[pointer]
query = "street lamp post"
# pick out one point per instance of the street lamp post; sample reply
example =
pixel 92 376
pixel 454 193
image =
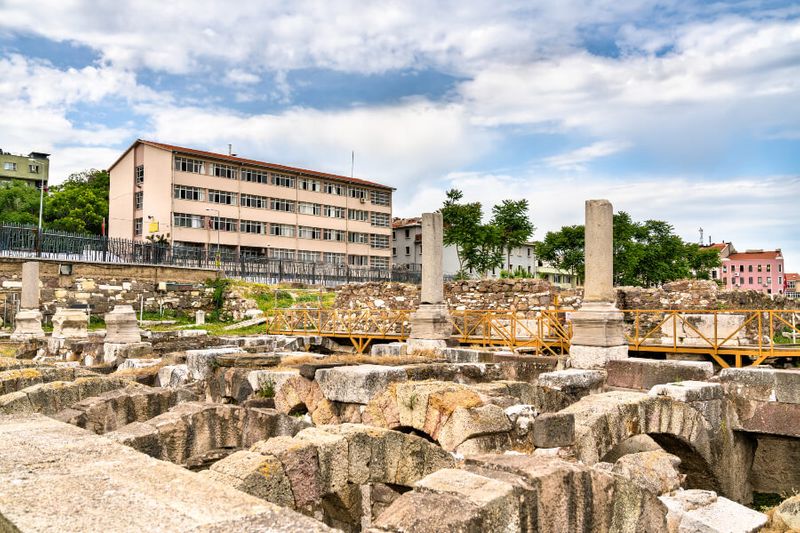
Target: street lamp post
pixel 218 222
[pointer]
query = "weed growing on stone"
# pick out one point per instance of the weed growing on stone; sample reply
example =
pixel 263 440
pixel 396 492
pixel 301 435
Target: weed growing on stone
pixel 267 389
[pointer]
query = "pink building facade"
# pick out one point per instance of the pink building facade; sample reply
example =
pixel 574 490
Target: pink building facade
pixel 754 270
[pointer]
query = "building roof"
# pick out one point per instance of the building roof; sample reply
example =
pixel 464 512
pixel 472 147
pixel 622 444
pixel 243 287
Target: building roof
pixel 405 222
pixel 792 276
pixel 756 254
pixel 253 162
pixel 716 246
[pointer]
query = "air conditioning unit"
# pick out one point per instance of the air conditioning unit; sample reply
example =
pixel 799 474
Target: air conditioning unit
pixel 362 200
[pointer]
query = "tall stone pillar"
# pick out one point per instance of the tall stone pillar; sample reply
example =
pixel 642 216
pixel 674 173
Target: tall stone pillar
pixel 597 332
pixel 430 324
pixel 28 321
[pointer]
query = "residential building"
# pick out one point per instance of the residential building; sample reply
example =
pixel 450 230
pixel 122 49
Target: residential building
pixel 407 253
pixel 248 208
pixel 33 168
pixel 792 290
pixel 725 249
pixel 756 270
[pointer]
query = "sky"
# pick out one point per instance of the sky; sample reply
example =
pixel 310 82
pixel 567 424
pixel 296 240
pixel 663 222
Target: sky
pixel 673 110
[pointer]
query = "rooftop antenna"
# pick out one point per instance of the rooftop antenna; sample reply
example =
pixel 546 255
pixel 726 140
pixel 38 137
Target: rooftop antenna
pixel 352 163
pixel 701 236
pixel 230 149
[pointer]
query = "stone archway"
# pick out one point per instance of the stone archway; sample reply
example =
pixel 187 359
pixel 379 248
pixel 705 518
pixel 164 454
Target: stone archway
pixel 713 456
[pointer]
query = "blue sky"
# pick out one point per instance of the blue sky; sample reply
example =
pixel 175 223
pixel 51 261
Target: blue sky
pixel 674 110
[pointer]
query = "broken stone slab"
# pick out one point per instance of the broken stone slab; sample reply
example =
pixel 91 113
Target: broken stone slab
pixel 257 379
pixel 139 363
pixel 50 470
pixel 467 355
pixel 309 370
pixel 246 323
pixel 394 349
pixel 689 391
pixel 787 514
pixel 248 360
pixel 644 374
pixel 656 471
pixel 28 325
pixel 121 325
pixel 466 423
pixel 17 379
pixel 201 363
pixel 52 397
pixel 572 380
pixel 70 324
pixel 357 384
pixel 172 376
pixel 762 384
pixel 554 430
pixel 116 354
pixel 705 512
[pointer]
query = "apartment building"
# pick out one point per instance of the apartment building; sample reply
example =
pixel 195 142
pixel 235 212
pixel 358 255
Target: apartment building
pixel 756 270
pixel 725 249
pixel 32 169
pixel 205 201
pixel 792 280
pixel 407 252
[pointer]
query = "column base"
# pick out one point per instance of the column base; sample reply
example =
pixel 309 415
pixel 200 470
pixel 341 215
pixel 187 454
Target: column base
pixel 28 325
pixel 595 357
pixel 431 322
pixel 598 324
pixel 425 346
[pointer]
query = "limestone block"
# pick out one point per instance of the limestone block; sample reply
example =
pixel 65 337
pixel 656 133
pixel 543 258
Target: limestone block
pixel 656 471
pixel 554 430
pixel 573 380
pixel 201 362
pixel 29 299
pixel 257 378
pixel 138 363
pixel 70 324
pixel 299 461
pixel 390 349
pixel 466 423
pixel 425 347
pixel 762 384
pixel 643 374
pixel 256 474
pixel 28 325
pixel 689 391
pixel 495 501
pixel 695 328
pixel 357 384
pixel 788 512
pixel 595 356
pixel 332 457
pixel 121 325
pixel 431 321
pixel 467 355
pixel 703 511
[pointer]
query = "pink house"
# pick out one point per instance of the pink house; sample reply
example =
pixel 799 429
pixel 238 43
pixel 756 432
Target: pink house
pixel 755 270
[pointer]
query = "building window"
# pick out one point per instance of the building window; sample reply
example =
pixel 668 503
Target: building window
pixel 306 184
pixel 184 192
pixel 759 267
pixel 759 280
pixel 253 201
pixel 333 235
pixel 138 200
pixel 749 268
pixel 333 188
pixel 222 197
pixel 741 268
pixel 358 238
pixel 380 220
pixel 282 181
pixel 769 280
pixel 408 250
pixel 252 226
pixel 307 232
pixel 357 214
pixel 137 226
pixel 251 252
pixel 750 280
pixel 394 251
pixel 355 192
pixel 254 176
pixel 380 197
pixel 225 171
pixel 379 241
pixel 769 267
pixel 378 262
pixel 725 281
pixel 281 230
pixel 358 260
pixel 724 269
pixel 713 274
pixel 333 258
pixel 408 233
pixel 223 224
pixel 333 211
pixel 138 175
pixel 281 253
pixel 9 166
pixel 780 267
pixel 184 164
pixel 780 280
pixel 308 256
pixel 281 205
pixel 34 169
pixel 183 220
pixel 305 208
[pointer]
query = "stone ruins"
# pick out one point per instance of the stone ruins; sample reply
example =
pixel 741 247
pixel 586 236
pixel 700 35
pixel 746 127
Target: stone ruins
pixel 133 429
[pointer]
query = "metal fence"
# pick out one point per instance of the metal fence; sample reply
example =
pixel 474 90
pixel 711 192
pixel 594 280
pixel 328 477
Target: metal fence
pixel 26 241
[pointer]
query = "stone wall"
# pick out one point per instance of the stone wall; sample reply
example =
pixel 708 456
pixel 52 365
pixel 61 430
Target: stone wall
pixel 102 286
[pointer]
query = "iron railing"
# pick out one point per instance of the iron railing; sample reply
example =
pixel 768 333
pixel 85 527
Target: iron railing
pixel 27 241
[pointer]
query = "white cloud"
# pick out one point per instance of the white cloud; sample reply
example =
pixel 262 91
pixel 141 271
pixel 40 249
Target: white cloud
pixel 237 76
pixel 578 158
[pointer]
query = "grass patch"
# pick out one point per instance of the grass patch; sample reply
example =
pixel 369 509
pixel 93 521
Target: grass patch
pixel 763 501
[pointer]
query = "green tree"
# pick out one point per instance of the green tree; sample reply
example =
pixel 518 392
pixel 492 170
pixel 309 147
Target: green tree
pixel 512 220
pixel 19 203
pixel 563 249
pixel 79 204
pixel 645 253
pixel 479 246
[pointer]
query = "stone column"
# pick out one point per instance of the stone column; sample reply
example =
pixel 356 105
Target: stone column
pixel 28 321
pixel 123 338
pixel 598 334
pixel 430 324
